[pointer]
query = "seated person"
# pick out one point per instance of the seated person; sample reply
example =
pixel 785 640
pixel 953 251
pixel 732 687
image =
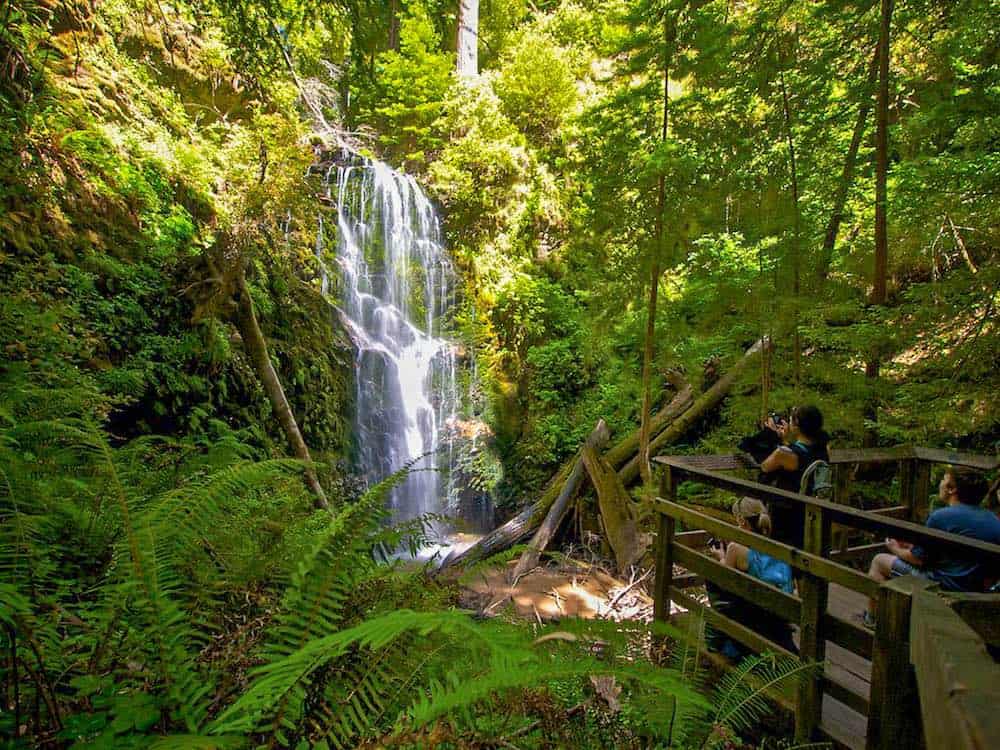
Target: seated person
pixel 962 492
pixel 753 516
pixel 804 441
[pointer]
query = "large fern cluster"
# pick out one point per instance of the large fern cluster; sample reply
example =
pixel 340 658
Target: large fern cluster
pixel 121 567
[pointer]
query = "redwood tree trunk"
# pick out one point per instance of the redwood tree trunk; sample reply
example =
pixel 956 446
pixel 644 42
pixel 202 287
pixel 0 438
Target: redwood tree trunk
pixel 847 176
pixel 654 281
pixel 881 271
pixel 256 346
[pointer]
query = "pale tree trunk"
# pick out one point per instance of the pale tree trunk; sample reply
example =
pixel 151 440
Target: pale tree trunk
pixel 467 39
pixel 654 282
pixel 881 270
pixel 847 176
pixel 256 346
pixel 796 236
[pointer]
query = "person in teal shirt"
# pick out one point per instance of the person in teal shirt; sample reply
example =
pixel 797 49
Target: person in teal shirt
pixel 751 515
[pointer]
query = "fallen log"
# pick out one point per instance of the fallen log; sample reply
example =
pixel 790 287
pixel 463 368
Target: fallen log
pixel 677 417
pixel 596 441
pixel 617 514
pixel 709 399
pixel 516 529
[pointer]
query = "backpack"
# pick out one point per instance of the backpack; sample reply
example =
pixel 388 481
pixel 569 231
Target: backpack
pixel 817 480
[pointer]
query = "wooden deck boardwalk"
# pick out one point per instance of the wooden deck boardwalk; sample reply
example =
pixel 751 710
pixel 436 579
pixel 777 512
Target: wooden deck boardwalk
pixel 843 724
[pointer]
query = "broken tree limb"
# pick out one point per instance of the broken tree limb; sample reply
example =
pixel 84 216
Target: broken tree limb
pixel 710 398
pixel 596 441
pixel 516 529
pixel 256 346
pixel 620 526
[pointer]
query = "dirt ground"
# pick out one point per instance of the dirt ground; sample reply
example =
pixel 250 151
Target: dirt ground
pixel 567 589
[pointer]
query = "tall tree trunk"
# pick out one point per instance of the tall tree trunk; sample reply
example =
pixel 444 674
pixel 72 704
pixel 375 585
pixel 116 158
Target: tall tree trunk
pixel 467 39
pixel 796 237
pixel 256 345
pixel 881 270
pixel 654 280
pixel 394 25
pixel 882 160
pixel 847 176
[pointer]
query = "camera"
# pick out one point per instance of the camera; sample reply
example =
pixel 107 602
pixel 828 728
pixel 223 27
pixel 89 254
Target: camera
pixel 777 416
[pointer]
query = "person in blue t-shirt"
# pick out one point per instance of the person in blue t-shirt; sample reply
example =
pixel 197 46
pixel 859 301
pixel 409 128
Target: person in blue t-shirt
pixel 751 515
pixel 962 492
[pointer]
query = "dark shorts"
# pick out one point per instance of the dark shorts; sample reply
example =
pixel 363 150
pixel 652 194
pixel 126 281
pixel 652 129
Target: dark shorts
pixel 903 568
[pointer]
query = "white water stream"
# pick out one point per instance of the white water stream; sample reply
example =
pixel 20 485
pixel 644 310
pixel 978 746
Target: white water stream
pixel 397 287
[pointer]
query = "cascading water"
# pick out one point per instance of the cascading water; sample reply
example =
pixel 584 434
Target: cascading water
pixel 397 288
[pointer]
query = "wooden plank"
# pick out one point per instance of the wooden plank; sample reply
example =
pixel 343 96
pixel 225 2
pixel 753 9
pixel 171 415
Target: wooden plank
pixel 859 552
pixel 798 559
pixel 845 695
pixel 871 455
pixel 765 596
pixel 959 681
pixel 920 506
pixel 956 458
pixel 907 480
pixel 735 630
pixel 812 637
pixel 664 551
pixel 688 581
pixel 893 702
pixel 696 539
pixel 864 520
pixel 852 637
pixel 842 726
pixel 893 511
pixel 842 475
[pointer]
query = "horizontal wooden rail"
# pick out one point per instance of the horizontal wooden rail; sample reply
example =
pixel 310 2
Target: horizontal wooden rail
pixel 804 561
pixel 859 519
pixel 763 595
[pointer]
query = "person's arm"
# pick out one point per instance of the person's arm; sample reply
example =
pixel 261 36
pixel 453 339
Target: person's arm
pixel 782 458
pixel 905 552
pixel 736 557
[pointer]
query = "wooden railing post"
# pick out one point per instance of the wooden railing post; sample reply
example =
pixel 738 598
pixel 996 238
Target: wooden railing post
pixel 665 550
pixel 841 496
pixel 915 487
pixel 920 505
pixel 813 591
pixel 894 713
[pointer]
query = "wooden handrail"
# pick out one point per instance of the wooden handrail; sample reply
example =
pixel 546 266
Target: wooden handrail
pixel 859 519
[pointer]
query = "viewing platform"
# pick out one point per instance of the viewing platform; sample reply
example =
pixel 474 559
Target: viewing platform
pixel 926 677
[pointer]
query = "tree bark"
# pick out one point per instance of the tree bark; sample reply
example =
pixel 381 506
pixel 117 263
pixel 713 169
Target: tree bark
pixel 706 401
pixel 467 39
pixel 882 159
pixel 256 347
pixel 847 176
pixel 881 270
pixel 796 236
pixel 617 515
pixel 597 440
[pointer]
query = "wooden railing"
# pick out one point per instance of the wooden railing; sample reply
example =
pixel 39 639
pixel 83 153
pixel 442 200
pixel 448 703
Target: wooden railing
pixel 890 706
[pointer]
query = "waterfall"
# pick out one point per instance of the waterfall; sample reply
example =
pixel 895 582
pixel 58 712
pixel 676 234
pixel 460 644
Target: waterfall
pixel 396 287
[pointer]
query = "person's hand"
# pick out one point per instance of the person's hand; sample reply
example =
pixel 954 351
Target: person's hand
pixel 779 426
pixel 720 552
